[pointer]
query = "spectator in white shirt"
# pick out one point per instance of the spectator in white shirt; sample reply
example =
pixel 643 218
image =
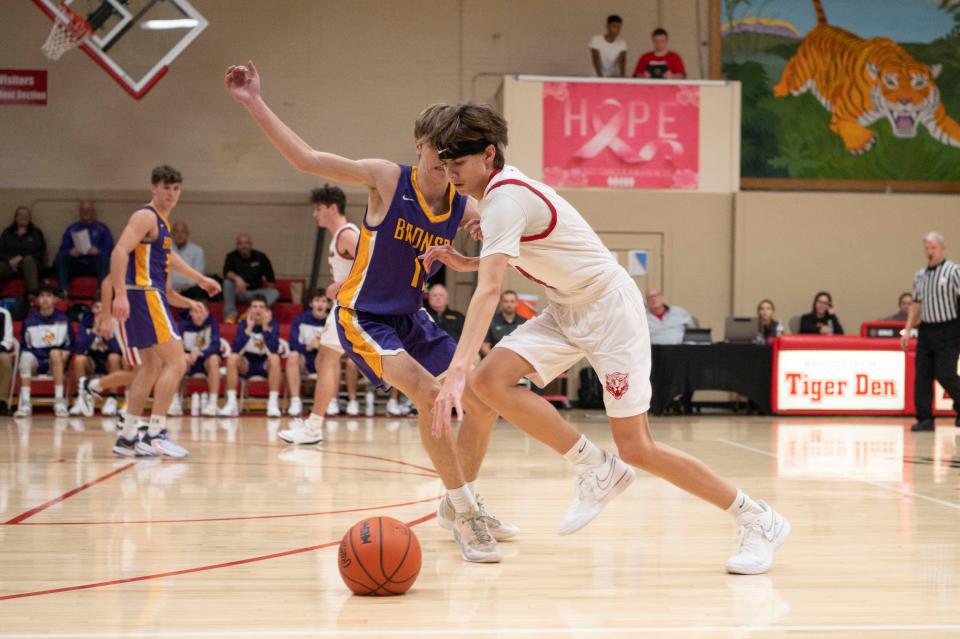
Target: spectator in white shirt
pixel 608 51
pixel 667 323
pixel 192 254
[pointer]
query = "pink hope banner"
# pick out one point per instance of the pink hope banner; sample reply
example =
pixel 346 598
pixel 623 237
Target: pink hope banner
pixel 639 136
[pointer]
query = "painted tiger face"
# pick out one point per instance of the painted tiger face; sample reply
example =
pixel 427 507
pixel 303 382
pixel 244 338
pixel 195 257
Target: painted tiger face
pixel 905 93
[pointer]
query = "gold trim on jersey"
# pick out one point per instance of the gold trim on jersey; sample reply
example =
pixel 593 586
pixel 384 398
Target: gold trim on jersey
pixel 361 344
pixel 159 317
pixel 423 202
pixel 358 272
pixel 141 270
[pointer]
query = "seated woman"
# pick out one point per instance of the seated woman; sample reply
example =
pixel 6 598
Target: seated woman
pixel 767 327
pixel 22 251
pixel 822 320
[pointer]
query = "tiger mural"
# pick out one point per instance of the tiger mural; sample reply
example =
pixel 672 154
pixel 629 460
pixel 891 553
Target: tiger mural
pixel 862 81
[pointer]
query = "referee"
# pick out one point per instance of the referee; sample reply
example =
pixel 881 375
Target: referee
pixel 935 298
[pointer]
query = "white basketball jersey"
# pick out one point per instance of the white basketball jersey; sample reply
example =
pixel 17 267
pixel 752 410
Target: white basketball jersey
pixel 546 239
pixel 340 266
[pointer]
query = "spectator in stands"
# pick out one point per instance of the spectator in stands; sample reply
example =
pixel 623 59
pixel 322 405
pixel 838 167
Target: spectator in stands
pixel 94 355
pixel 85 248
pixel 244 273
pixel 667 323
pixel 192 254
pixel 23 251
pixel 46 337
pixel 438 306
pixel 822 320
pixel 7 347
pixel 201 345
pixel 767 327
pixel 904 303
pixel 503 323
pixel 661 62
pixel 608 51
pixel 305 348
pixel 256 349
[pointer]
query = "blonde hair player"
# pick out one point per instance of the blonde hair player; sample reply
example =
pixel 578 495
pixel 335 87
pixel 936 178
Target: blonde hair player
pixel 140 278
pixel 381 321
pixel 595 311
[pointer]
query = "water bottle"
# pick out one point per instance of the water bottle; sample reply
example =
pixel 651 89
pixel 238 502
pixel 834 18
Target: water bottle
pixel 195 405
pixel 369 399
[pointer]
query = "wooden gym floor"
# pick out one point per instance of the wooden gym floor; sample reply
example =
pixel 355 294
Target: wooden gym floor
pixel 239 540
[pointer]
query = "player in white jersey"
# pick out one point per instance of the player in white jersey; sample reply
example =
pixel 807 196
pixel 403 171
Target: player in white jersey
pixel 329 203
pixel 595 311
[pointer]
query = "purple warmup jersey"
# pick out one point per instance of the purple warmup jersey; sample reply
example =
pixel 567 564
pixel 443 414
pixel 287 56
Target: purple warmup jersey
pixel 387 277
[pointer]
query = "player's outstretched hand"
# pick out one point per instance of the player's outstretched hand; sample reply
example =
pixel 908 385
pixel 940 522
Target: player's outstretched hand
pixel 121 308
pixel 209 285
pixel 196 306
pixel 332 290
pixel 472 228
pixel 243 82
pixel 445 254
pixel 448 399
pixel 104 327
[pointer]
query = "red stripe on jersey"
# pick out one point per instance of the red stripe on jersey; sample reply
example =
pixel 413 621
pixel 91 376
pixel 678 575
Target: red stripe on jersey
pixel 553 215
pixel 533 279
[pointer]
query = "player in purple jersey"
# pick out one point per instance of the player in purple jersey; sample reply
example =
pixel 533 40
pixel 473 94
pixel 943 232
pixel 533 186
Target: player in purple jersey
pixel 140 279
pixel 380 320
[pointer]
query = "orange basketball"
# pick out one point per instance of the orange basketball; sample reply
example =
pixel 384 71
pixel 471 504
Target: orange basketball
pixel 379 556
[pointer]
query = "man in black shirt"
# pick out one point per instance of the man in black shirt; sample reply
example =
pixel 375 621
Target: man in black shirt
pixel 503 323
pixel 449 320
pixel 246 273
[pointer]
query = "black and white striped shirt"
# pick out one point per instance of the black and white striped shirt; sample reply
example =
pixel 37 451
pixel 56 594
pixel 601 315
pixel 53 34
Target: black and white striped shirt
pixel 937 289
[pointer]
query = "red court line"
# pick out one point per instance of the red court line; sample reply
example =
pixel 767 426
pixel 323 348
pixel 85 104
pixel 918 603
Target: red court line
pixel 187 571
pixel 336 452
pixel 120 522
pixel 67 495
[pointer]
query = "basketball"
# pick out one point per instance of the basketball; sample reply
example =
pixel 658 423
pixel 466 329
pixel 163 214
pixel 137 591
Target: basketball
pixel 379 556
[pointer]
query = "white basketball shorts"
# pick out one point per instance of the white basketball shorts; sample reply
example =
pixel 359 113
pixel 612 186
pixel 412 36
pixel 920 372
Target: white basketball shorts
pixel 611 332
pixel 328 336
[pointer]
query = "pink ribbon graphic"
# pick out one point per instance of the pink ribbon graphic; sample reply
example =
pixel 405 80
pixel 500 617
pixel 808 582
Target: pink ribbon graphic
pixel 608 135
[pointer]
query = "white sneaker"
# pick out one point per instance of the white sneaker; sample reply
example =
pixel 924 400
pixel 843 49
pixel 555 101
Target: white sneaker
pixel 296 407
pixel 109 407
pixel 176 408
pixel 476 542
pixel 393 408
pixel 24 409
pixel 86 397
pixel 76 410
pixel 596 485
pixel 353 408
pixel 273 410
pixel 60 408
pixel 333 408
pixel 302 434
pixel 760 535
pixel 501 531
pixel 230 409
pixel 161 443
pixel 210 408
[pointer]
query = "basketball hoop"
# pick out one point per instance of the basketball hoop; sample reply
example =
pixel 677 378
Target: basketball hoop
pixel 67 33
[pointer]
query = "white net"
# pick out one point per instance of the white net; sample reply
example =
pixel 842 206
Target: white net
pixel 65 35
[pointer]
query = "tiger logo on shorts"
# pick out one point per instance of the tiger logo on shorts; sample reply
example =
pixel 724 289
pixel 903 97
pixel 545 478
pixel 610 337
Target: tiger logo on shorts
pixel 617 384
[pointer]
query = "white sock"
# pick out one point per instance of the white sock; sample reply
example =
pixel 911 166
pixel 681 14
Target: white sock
pixel 129 425
pixel 157 423
pixel 95 385
pixel 743 504
pixel 58 391
pixel 584 452
pixel 463 499
pixel 25 392
pixel 231 397
pixel 274 396
pixel 212 398
pixel 472 485
pixel 315 421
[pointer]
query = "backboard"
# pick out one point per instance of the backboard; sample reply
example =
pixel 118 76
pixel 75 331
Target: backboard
pixel 134 41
